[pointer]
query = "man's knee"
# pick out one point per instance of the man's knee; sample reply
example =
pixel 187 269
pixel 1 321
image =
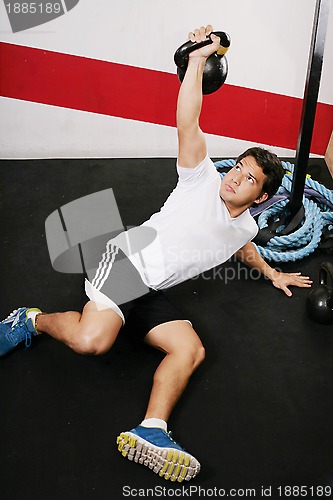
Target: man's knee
pixel 193 355
pixel 93 341
pixel 199 355
pixel 88 345
pixel 96 331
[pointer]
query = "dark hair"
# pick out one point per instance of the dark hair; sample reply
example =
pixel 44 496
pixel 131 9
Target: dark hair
pixel 270 165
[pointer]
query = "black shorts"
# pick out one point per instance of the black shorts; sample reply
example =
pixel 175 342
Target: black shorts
pixel 148 311
pixel 118 280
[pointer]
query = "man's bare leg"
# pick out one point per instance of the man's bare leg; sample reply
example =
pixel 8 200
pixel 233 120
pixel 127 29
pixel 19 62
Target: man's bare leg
pixel 92 332
pixel 184 352
pixel 148 443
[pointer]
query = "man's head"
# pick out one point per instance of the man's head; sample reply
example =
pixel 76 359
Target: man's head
pixel 256 177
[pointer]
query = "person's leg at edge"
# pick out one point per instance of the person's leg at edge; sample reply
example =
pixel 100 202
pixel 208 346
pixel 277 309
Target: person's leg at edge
pixel 91 332
pixel 149 443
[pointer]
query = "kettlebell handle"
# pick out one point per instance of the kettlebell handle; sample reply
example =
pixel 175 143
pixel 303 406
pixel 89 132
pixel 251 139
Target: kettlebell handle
pixel 182 53
pixel 326 276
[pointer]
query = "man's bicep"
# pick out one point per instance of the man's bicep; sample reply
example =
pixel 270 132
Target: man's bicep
pixel 192 149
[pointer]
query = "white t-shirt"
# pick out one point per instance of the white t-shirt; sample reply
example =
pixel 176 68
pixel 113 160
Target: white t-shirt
pixel 194 230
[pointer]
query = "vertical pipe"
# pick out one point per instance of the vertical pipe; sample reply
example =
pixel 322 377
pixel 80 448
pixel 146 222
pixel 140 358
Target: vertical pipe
pixel 309 103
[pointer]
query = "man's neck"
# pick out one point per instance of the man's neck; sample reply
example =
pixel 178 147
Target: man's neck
pixel 234 211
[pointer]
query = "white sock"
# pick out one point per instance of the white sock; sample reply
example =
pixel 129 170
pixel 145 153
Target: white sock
pixel 32 315
pixel 155 422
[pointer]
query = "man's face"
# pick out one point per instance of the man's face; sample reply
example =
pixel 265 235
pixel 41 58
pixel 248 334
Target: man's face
pixel 243 185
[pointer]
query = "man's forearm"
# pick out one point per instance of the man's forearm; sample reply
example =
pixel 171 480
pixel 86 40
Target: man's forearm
pixel 190 95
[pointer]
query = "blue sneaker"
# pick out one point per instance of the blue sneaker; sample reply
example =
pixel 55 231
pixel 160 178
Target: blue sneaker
pixel 156 449
pixel 16 328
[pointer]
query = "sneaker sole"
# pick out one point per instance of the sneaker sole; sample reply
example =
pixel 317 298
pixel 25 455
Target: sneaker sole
pixel 169 463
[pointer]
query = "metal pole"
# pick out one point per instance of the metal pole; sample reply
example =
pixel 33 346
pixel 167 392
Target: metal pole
pixel 309 103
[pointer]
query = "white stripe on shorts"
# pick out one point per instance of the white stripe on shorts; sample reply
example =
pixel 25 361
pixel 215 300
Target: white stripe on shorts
pixel 105 265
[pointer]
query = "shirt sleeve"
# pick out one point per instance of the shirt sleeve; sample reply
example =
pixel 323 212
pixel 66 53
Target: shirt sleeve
pixel 204 171
pixel 253 225
pixel 255 231
pixel 249 226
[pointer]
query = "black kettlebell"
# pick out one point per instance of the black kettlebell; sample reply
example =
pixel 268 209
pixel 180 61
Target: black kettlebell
pixel 216 68
pixel 319 303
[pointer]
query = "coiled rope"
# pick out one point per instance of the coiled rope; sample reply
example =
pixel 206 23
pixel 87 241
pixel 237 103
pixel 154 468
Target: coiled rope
pixel 306 238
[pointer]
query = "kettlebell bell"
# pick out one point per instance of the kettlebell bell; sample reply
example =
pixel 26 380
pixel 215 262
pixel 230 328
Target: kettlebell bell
pixel 216 67
pixel 319 303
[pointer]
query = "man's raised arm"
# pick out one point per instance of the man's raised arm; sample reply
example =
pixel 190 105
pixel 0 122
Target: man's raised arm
pixel 191 141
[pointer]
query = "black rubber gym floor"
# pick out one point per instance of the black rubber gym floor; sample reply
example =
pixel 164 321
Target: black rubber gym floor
pixel 257 413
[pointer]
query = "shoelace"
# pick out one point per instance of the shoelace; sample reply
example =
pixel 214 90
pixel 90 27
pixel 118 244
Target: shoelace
pixel 26 332
pixel 11 314
pixel 27 338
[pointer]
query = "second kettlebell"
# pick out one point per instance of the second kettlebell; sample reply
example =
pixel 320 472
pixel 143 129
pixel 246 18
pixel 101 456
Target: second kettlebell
pixel 319 303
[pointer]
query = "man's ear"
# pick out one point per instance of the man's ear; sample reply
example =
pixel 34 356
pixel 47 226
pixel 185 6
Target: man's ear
pixel 261 198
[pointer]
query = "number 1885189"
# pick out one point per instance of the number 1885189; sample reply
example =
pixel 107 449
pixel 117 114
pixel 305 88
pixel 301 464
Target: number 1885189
pixel 302 491
pixel 34 8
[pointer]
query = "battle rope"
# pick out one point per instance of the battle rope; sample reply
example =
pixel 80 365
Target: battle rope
pixel 318 214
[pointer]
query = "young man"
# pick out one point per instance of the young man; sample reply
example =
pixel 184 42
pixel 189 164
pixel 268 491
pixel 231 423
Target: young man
pixel 202 224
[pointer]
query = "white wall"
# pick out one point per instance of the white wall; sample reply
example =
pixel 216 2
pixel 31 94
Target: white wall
pixel 269 52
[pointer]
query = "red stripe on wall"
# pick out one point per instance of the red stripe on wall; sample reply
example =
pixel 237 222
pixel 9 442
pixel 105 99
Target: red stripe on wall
pixel 107 88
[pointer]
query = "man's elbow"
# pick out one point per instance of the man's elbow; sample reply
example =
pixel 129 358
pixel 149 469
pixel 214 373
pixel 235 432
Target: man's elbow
pixel 239 255
pixel 187 130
